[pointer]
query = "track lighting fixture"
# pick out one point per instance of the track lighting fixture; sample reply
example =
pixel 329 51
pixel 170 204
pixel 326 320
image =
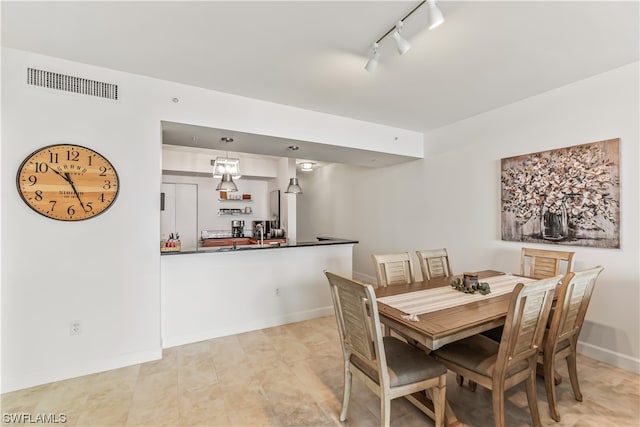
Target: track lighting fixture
pixel 372 63
pixel 435 15
pixel 401 43
pixel 435 18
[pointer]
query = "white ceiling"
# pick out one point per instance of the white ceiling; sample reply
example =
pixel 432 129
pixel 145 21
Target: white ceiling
pixel 311 54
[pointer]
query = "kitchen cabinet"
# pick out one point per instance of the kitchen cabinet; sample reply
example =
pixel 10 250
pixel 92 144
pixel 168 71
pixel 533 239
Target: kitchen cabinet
pixel 180 213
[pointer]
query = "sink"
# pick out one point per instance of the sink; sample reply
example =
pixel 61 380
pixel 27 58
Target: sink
pixel 241 247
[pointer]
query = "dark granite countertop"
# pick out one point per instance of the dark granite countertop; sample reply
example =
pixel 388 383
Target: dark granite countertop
pixel 321 241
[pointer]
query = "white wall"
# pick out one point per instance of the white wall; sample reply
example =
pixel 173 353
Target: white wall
pixel 452 198
pixel 105 271
pixel 207 295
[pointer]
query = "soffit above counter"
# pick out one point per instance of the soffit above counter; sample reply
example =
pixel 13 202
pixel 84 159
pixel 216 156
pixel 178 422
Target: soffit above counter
pixel 403 146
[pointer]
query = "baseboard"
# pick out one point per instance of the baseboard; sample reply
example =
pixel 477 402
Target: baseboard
pixel 605 355
pixel 78 370
pixel 239 328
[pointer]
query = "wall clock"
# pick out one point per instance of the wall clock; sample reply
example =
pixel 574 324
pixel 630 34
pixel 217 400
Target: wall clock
pixel 67 182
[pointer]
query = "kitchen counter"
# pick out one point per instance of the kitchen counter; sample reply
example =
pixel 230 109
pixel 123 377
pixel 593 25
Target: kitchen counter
pixel 215 292
pixel 321 241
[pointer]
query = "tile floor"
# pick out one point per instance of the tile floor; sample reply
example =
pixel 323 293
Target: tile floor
pixel 291 375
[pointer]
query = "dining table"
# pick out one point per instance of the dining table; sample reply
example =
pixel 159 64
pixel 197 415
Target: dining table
pixel 431 314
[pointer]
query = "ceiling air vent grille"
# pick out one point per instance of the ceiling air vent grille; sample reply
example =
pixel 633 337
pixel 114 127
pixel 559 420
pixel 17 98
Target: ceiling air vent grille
pixel 71 84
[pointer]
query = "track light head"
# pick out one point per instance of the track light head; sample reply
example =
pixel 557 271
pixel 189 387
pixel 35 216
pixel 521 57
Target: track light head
pixel 372 64
pixel 401 43
pixel 435 15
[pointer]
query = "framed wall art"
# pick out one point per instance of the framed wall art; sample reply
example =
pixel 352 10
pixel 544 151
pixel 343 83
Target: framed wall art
pixel 566 196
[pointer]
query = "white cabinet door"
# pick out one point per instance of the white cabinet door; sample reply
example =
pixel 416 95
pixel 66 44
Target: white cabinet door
pixel 167 210
pixel 180 214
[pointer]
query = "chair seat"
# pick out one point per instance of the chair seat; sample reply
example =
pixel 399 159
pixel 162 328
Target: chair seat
pixel 405 363
pixel 477 353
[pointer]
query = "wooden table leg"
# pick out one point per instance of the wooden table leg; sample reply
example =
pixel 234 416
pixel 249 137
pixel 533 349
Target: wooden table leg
pixel 421 401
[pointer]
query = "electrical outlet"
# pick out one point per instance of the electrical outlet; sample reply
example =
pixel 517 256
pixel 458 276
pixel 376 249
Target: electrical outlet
pixel 74 327
pixel 277 292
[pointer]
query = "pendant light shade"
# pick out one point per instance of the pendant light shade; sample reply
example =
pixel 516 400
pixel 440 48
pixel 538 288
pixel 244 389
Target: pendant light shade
pixel 227 184
pixel 294 187
pixel 222 165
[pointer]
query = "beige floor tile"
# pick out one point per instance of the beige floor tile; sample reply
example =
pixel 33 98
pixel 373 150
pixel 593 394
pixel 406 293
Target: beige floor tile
pixel 293 375
pixel 259 415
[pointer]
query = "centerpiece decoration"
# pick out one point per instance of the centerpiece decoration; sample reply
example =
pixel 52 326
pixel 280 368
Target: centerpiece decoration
pixel 469 284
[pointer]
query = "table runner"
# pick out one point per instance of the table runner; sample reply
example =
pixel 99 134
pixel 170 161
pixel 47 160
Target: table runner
pixel 429 300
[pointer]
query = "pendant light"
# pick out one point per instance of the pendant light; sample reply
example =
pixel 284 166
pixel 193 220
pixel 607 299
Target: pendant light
pixel 227 169
pixel 294 187
pixel 227 184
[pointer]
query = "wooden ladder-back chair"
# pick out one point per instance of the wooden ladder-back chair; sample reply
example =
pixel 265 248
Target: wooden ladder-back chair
pixel 393 269
pixel 391 368
pixel 561 339
pixel 543 263
pixel 500 366
pixel 434 263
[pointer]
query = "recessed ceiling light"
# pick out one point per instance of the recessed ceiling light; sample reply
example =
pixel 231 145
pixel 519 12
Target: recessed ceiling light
pixel 293 148
pixel 306 166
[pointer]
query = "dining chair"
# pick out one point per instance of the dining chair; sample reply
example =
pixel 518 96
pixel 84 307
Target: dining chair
pixel 543 263
pixel 561 339
pixel 538 264
pixel 393 269
pixel 391 368
pixel 434 263
pixel 500 366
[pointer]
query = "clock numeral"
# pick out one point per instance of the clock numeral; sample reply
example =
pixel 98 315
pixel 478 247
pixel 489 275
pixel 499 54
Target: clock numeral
pixel 88 207
pixel 53 204
pixel 70 210
pixel 38 195
pixel 53 157
pixel 90 158
pixel 41 167
pixel 103 171
pixel 33 179
pixel 101 198
pixel 73 155
pixel 107 184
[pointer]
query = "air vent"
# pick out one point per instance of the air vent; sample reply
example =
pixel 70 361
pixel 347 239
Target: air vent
pixel 71 84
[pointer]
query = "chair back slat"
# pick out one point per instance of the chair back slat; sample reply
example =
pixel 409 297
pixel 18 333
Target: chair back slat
pixel 357 332
pixel 393 269
pixel 543 263
pixel 571 309
pixel 434 263
pixel 526 319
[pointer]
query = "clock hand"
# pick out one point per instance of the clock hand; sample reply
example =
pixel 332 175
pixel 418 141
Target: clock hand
pixel 68 178
pixel 63 176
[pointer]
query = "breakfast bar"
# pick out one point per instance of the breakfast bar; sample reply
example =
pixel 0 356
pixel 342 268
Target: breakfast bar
pixel 217 291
